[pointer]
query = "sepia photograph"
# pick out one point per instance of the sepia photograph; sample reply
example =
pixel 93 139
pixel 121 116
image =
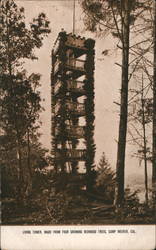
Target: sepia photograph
pixel 78 112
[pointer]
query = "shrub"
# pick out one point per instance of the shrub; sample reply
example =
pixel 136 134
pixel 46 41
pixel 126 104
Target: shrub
pixel 105 181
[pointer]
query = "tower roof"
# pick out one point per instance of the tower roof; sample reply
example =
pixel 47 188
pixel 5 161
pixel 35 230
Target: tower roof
pixel 73 40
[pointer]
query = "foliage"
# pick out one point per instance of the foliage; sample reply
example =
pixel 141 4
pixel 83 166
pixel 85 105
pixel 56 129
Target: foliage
pixel 134 211
pixel 68 182
pixel 105 181
pixel 140 121
pixel 90 117
pixel 17 40
pixel 22 93
pixel 141 117
pixel 60 208
pixel 9 181
pixel 68 209
pixel 119 19
pixel 68 198
pixel 131 204
pixel 20 98
pixel 105 17
pixel 9 169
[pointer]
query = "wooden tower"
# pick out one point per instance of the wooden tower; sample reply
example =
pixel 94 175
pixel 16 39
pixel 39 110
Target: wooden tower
pixel 72 86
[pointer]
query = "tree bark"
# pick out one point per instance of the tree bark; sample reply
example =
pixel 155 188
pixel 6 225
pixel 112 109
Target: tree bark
pixel 28 149
pixel 154 110
pixel 21 174
pixel 145 144
pixel 120 166
pixel 29 183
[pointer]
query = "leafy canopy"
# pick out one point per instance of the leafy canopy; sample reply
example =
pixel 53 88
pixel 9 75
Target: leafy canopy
pixel 18 40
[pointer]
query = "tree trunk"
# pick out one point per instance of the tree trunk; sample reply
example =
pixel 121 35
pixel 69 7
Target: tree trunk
pixel 120 166
pixel 144 142
pixel 28 148
pixel 154 111
pixel 21 174
pixel 29 181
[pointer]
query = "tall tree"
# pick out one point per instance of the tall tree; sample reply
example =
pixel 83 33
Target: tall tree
pixel 117 17
pixel 140 118
pixel 19 113
pixel 20 99
pixel 125 15
pixel 154 107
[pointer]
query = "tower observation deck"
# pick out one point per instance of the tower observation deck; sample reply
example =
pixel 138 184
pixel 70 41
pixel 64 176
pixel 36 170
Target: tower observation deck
pixel 72 89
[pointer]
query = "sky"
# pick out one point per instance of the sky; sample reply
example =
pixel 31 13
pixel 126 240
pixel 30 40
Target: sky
pixel 107 80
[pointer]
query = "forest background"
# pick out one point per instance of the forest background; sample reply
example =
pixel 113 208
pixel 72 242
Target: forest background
pixel 107 87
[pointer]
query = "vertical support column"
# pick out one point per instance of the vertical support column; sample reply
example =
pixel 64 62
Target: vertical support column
pixel 89 107
pixel 63 59
pixel 53 142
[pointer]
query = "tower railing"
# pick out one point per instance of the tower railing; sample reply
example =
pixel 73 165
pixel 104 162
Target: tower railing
pixel 72 85
pixel 75 85
pixel 71 153
pixel 73 107
pixel 76 63
pixel 73 131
